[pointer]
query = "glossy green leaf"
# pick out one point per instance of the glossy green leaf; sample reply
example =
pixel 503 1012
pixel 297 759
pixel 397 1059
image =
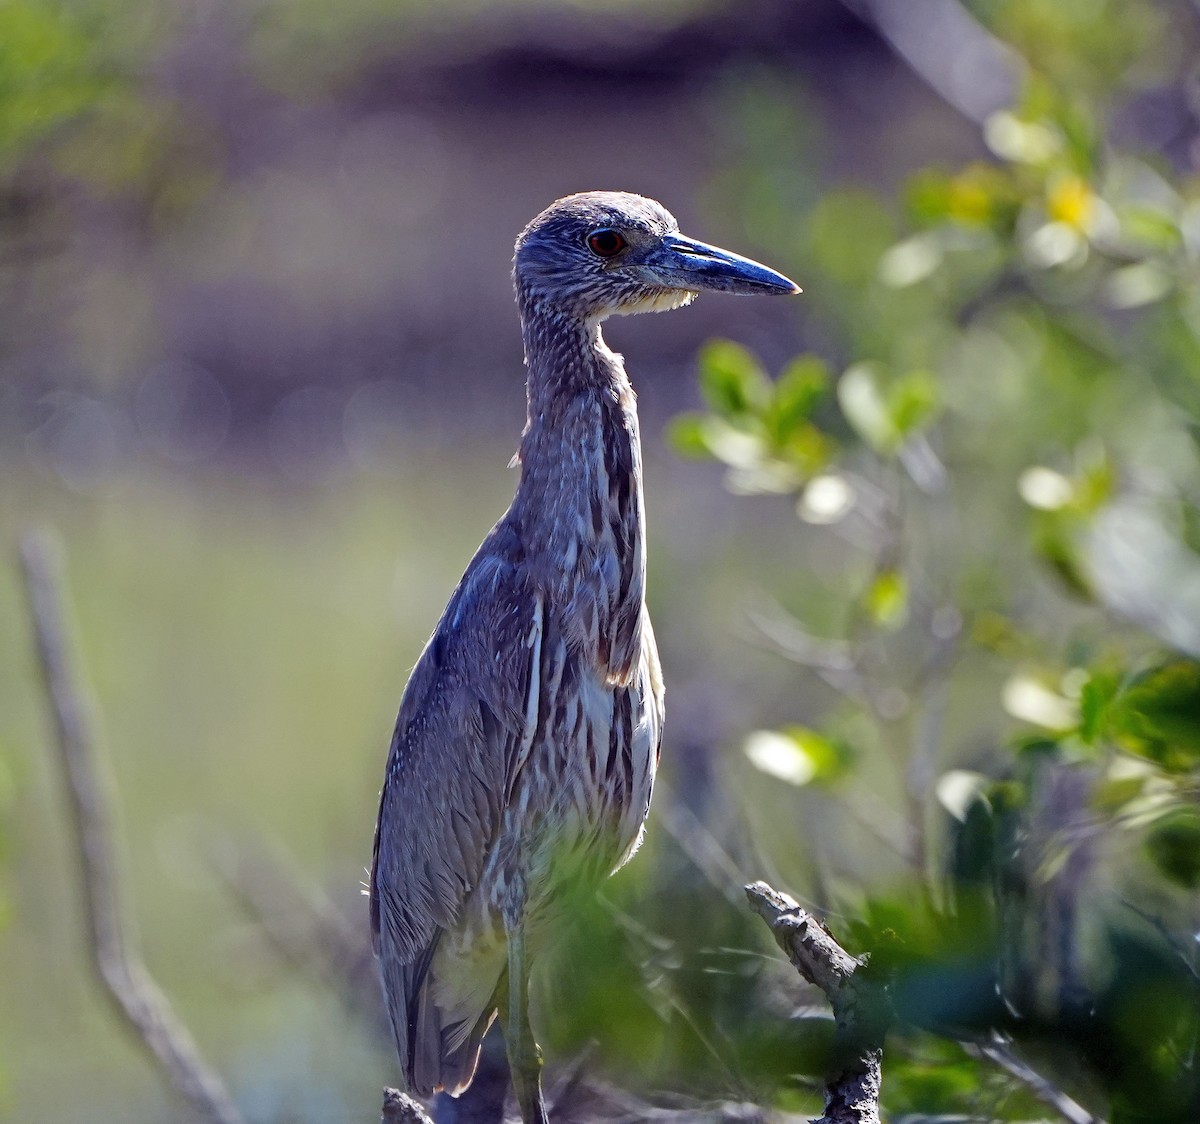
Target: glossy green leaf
pixel 732 379
pixel 800 386
pixel 1158 716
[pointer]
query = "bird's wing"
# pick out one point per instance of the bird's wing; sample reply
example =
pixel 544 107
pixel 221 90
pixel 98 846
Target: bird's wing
pixel 465 726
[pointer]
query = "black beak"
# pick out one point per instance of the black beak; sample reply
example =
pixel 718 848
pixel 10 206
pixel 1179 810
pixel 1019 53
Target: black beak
pixel 682 263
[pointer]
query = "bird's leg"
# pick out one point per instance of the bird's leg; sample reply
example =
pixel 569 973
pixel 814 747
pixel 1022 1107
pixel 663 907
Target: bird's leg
pixel 524 1057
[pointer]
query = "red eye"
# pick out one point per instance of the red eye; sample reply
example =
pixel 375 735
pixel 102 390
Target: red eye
pixel 606 243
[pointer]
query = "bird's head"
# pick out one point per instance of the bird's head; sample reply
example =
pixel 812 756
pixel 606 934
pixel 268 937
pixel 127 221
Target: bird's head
pixel 606 253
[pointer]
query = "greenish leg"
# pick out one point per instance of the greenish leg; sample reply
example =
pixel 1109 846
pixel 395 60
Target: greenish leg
pixel 524 1057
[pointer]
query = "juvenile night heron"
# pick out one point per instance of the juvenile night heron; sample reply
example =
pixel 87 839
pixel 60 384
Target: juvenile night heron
pixel 526 744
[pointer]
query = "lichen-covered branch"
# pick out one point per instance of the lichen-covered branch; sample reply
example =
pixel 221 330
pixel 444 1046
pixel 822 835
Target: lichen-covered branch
pixel 399 1108
pixel 861 1010
pixel 136 997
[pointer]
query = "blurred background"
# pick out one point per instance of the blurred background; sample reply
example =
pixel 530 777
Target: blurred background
pixel 923 542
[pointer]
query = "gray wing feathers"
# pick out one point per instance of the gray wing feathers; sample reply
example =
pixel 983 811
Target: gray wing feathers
pixel 460 736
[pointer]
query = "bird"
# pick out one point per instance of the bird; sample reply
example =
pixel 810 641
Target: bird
pixel 524 752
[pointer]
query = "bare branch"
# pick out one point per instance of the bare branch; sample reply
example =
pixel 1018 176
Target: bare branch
pixel 950 50
pixel 861 1010
pixel 135 996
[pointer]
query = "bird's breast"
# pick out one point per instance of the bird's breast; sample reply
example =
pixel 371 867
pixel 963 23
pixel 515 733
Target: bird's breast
pixel 580 803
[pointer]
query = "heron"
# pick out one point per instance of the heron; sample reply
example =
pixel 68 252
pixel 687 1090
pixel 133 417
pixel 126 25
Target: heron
pixel 524 752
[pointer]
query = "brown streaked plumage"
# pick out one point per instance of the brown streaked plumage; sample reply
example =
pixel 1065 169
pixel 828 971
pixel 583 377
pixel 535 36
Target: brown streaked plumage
pixel 524 753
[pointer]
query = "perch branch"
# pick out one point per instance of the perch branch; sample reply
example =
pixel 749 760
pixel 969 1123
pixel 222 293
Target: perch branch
pixel 861 1010
pixel 135 996
pixel 399 1108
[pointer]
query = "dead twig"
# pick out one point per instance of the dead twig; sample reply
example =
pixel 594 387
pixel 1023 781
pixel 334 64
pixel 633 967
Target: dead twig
pixel 861 1010
pixel 136 997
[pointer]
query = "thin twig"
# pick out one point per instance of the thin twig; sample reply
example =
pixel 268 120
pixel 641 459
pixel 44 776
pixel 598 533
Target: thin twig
pixel 135 996
pixel 861 1010
pixel 303 926
pixel 701 847
pixel 998 1051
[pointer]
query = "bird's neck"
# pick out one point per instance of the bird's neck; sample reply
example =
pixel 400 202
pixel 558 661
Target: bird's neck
pixel 579 503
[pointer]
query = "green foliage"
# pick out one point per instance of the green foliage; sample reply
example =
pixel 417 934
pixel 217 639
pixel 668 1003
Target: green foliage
pixel 759 428
pixel 1174 846
pixel 48 73
pixel 1009 485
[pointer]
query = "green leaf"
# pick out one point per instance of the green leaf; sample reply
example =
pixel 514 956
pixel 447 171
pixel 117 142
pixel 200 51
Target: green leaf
pixel 912 402
pixel 706 435
pixel 865 407
pixel 732 379
pixel 1054 541
pixel 798 389
pixel 1174 847
pixel 685 434
pixel 1159 715
pixel 797 755
pixel 1150 227
pixel 1094 698
pixel 48 74
pixel 886 600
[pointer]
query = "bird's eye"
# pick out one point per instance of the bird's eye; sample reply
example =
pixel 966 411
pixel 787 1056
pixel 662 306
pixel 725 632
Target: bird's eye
pixel 606 243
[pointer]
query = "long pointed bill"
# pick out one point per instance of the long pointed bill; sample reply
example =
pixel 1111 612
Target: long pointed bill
pixel 683 263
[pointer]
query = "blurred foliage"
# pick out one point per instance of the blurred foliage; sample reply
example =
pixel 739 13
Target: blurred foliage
pixel 1024 326
pixel 987 770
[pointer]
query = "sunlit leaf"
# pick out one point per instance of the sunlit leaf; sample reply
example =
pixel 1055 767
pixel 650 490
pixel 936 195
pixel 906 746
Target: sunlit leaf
pixel 768 477
pixel 865 406
pixel 1056 543
pixel 796 754
pixel 1137 285
pixel 686 435
pixel 1094 699
pixel 1055 244
pixel 1025 142
pixel 809 449
pixel 1029 699
pixel 910 262
pixel 1158 716
pixel 912 402
pixel 1045 489
pixel 800 386
pixel 958 789
pixel 886 599
pixel 1151 228
pixel 732 379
